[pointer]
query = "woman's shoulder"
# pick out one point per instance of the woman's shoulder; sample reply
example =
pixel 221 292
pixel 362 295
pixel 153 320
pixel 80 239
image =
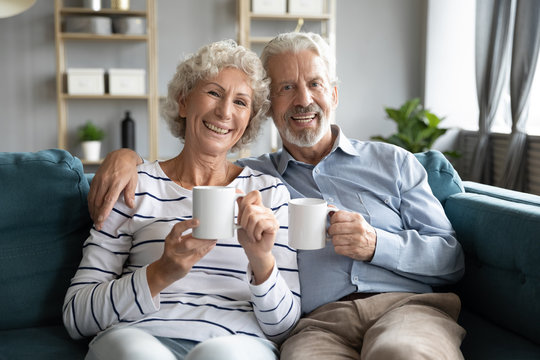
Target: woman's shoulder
pixel 151 175
pixel 152 170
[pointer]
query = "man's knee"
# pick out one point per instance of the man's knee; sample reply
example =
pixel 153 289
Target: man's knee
pixel 405 349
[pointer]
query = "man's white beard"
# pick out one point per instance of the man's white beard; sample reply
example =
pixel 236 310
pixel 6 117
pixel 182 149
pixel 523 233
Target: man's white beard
pixel 308 137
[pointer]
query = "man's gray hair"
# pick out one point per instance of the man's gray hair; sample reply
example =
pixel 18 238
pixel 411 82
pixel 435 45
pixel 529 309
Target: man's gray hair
pixel 205 64
pixel 297 41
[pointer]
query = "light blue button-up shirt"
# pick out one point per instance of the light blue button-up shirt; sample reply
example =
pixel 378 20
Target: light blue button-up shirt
pixel 416 245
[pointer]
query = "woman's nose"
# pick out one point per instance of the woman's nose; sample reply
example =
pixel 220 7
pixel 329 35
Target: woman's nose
pixel 224 109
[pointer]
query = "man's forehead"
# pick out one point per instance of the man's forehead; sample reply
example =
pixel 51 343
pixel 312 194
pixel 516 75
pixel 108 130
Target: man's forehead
pixel 290 66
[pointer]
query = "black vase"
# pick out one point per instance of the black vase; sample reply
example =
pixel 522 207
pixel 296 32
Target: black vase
pixel 128 132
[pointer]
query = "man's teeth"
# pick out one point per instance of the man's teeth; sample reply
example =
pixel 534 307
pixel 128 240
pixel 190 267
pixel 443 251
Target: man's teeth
pixel 305 118
pixel 215 128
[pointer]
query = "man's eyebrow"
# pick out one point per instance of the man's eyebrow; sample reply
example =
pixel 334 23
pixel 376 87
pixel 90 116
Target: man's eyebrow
pixel 283 82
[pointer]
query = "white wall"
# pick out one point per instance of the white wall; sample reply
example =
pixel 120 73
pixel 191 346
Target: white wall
pixel 380 50
pixel 380 61
pixel 450 68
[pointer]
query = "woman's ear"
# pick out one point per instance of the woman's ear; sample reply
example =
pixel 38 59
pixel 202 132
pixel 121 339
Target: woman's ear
pixel 182 107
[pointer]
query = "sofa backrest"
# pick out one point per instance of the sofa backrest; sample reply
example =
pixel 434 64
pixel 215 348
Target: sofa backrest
pixel 44 221
pixel 442 177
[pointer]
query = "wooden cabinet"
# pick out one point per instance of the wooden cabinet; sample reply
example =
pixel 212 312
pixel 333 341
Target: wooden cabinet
pixel 148 38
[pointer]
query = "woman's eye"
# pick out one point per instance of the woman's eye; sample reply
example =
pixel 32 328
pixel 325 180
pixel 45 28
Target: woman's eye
pixel 213 93
pixel 315 84
pixel 240 102
pixel 287 87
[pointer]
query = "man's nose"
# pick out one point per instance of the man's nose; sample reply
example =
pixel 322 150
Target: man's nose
pixel 303 96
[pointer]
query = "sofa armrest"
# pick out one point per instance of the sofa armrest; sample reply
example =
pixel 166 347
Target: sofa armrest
pixel 499 235
pixel 501 193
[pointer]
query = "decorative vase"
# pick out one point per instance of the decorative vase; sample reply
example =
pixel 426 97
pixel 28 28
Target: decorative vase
pixel 91 150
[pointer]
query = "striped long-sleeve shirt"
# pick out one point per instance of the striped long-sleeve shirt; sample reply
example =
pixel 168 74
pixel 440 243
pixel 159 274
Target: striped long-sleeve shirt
pixel 215 298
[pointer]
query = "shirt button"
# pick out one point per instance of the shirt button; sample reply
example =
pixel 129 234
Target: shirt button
pixel 317 171
pixel 355 278
pixel 386 201
pixel 331 199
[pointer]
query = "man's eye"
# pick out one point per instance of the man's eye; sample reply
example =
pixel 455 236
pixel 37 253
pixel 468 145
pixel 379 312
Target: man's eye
pixel 287 87
pixel 315 84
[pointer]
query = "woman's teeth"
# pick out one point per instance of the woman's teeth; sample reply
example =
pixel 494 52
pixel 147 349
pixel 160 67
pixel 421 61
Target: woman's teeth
pixel 215 128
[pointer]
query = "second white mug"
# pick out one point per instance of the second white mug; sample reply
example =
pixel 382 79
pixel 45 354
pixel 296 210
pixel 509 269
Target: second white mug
pixel 307 223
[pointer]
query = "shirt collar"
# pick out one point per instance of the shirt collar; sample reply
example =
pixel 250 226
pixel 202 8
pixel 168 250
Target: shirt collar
pixel 342 142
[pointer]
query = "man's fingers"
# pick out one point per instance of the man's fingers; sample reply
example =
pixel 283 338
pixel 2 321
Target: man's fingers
pixel 95 199
pixel 344 216
pixel 129 192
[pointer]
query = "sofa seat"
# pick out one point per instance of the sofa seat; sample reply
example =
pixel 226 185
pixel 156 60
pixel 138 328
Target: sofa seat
pixel 487 340
pixel 36 343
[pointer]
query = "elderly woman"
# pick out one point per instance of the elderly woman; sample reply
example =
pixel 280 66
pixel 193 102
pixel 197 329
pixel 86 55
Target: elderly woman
pixel 145 285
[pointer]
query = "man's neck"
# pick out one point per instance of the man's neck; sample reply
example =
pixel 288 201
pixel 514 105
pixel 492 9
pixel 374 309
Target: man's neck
pixel 312 154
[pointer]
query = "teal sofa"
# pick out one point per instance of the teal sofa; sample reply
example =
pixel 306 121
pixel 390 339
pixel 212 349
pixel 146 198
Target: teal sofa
pixel 44 221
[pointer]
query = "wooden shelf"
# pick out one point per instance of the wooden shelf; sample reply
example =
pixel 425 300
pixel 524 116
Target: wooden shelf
pixel 111 37
pixel 151 98
pixel 90 162
pixel 105 97
pixel 290 17
pixel 103 12
pixel 245 18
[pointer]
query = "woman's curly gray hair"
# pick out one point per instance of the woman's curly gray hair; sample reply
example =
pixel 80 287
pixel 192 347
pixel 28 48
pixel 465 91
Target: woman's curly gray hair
pixel 205 64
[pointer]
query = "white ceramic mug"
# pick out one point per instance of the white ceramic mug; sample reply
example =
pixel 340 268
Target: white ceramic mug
pixel 214 207
pixel 307 223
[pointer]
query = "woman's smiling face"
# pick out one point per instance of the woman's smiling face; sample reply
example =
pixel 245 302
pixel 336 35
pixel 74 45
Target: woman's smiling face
pixel 217 110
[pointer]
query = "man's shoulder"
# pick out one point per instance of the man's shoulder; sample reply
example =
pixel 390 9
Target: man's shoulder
pixel 266 163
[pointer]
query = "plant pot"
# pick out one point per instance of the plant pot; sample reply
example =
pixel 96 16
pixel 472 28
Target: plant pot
pixel 91 150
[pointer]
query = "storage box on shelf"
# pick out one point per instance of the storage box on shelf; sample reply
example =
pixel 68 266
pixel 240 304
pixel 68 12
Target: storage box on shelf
pixel 129 26
pixel 100 25
pixel 85 81
pixel 269 6
pixel 127 82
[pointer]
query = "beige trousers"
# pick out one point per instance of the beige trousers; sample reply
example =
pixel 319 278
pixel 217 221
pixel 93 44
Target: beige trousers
pixel 384 326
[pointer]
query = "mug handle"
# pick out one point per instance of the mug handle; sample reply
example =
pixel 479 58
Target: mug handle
pixel 236 197
pixel 330 209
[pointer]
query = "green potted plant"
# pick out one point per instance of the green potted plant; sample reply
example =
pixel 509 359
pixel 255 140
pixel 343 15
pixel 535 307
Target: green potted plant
pixel 418 128
pixel 90 137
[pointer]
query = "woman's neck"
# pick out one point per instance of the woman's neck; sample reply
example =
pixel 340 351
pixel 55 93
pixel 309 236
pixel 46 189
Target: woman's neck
pixel 189 171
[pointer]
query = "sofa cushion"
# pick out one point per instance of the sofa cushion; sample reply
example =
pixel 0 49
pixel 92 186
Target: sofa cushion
pixel 44 221
pixel 43 343
pixel 442 177
pixel 502 251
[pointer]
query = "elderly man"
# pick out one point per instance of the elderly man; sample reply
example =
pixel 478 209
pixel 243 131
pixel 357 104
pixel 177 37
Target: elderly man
pixel 368 294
